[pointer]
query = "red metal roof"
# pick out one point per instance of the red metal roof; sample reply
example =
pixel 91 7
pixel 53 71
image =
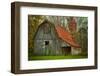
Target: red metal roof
pixel 66 36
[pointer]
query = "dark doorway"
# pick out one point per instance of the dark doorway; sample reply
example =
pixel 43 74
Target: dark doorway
pixel 66 50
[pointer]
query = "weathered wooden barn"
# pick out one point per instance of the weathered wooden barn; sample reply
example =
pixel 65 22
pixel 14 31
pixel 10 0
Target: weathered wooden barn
pixel 54 40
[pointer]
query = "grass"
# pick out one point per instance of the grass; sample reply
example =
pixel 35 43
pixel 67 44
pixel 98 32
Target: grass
pixel 56 57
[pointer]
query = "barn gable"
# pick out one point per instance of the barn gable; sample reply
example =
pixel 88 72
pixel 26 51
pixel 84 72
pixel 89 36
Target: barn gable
pixel 46 41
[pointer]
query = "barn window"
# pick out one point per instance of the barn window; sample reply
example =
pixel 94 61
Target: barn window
pixel 46 42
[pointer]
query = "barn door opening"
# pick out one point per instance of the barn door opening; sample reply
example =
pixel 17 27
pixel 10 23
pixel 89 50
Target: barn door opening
pixel 66 50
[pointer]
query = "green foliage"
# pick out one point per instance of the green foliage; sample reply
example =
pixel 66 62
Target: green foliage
pixel 84 39
pixel 82 22
pixel 33 24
